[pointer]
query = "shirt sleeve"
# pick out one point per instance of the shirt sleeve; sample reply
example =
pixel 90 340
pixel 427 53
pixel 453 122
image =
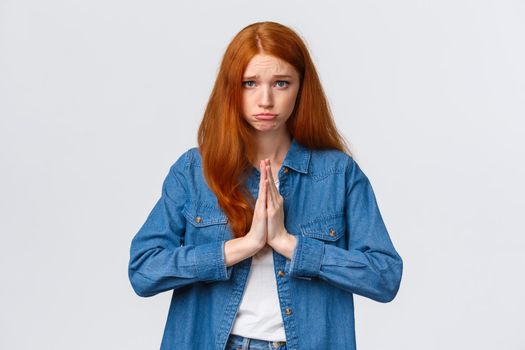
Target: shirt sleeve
pixel 371 266
pixel 159 260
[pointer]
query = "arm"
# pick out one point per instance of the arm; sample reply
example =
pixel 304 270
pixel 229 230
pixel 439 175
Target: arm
pixel 238 249
pixel 370 266
pixel 158 259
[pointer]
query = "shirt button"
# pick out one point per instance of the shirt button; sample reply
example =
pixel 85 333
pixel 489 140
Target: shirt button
pixel 331 232
pixel 285 170
pixel 280 273
pixel 288 311
pixel 198 219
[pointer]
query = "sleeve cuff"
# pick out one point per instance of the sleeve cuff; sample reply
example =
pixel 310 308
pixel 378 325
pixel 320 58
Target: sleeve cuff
pixel 306 258
pixel 208 262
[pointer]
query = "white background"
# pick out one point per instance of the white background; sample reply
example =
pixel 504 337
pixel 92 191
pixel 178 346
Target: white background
pixel 99 98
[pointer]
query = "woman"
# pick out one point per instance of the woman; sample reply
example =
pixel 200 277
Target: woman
pixel 267 229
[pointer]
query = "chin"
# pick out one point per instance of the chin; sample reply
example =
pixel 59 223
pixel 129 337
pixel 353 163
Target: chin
pixel 266 128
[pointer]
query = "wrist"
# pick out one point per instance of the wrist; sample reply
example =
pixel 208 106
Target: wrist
pixel 253 242
pixel 284 244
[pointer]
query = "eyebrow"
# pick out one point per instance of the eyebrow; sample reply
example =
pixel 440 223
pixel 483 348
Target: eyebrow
pixel 275 76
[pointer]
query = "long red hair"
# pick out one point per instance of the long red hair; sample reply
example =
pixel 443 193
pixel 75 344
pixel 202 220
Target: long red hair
pixel 225 139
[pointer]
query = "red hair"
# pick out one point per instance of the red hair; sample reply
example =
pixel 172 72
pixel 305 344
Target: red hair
pixel 225 139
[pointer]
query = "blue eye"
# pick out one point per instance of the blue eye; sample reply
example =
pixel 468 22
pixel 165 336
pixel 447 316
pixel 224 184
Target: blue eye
pixel 279 83
pixel 283 81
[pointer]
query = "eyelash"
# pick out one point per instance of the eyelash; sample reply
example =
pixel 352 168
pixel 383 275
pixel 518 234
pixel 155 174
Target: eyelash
pixel 278 81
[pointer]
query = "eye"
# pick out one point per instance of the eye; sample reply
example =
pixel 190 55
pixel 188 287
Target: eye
pixel 283 81
pixel 244 83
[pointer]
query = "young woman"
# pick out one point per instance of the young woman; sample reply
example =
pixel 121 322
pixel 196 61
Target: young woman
pixel 265 230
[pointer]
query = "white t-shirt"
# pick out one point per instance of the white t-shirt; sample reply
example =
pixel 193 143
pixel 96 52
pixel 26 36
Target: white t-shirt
pixel 259 314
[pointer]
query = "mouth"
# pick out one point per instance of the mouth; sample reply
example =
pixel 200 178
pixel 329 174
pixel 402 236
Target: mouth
pixel 265 116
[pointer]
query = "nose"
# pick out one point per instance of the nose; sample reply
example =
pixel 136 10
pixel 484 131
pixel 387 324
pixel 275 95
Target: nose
pixel 266 98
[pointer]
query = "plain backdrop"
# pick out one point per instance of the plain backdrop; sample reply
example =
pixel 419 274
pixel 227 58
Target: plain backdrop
pixel 99 98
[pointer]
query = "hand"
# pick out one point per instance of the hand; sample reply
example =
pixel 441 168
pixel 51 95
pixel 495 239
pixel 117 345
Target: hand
pixel 278 238
pixel 258 231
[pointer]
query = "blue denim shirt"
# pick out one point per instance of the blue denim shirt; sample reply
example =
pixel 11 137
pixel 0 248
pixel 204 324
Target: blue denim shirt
pixel 343 248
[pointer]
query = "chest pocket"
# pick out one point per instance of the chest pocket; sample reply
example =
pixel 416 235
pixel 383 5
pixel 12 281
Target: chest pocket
pixel 329 228
pixel 205 222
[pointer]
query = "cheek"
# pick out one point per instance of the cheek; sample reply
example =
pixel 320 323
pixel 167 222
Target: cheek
pixel 288 102
pixel 246 104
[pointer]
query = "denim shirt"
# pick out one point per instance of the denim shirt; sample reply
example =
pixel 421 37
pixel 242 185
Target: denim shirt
pixel 343 248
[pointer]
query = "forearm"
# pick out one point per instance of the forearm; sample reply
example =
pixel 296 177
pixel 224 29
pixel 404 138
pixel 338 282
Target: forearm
pixel 238 249
pixel 373 273
pixel 156 269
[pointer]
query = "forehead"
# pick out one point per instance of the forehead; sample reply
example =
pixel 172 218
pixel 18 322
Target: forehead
pixel 266 64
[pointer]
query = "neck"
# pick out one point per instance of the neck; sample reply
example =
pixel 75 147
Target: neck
pixel 273 147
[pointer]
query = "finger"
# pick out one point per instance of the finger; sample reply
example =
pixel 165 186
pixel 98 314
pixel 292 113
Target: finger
pixel 265 194
pixel 264 179
pixel 276 190
pixel 272 190
pixel 273 186
pixel 270 174
pixel 260 200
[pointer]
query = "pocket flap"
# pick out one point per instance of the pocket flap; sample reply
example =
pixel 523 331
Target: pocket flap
pixel 329 227
pixel 201 214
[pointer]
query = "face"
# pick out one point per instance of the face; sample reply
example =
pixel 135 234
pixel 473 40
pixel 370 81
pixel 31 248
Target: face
pixel 269 86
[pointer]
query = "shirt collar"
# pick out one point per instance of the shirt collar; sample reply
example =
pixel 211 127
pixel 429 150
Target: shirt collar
pixel 297 157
